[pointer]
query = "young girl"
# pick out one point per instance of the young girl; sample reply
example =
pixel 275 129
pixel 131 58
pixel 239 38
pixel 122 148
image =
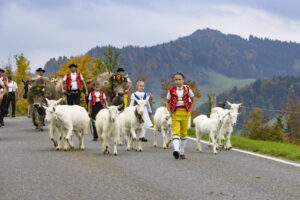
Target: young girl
pixel 180 103
pixel 140 94
pixel 97 101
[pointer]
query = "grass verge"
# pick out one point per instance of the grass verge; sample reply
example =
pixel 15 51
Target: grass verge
pixel 276 149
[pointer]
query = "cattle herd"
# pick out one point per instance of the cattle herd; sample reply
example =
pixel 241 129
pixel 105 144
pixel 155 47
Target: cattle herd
pixel 115 126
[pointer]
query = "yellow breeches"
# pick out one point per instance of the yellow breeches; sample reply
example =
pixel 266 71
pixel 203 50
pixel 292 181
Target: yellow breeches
pixel 180 120
pixel 125 100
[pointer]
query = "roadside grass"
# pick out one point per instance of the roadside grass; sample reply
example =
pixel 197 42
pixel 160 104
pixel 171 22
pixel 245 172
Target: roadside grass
pixel 276 149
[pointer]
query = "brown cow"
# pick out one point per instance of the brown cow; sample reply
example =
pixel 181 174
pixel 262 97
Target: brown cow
pixel 113 90
pixel 48 89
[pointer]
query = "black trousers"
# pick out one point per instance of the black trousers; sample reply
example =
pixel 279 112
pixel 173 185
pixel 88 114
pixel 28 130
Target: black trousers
pixel 11 100
pixel 73 97
pixel 3 108
pixel 95 109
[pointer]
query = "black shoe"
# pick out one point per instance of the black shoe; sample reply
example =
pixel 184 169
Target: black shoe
pixel 95 139
pixel 182 156
pixel 175 154
pixel 2 123
pixel 143 139
pixel 13 116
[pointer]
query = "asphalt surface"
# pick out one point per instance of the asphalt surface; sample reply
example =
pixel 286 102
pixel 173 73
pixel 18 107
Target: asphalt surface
pixel 30 168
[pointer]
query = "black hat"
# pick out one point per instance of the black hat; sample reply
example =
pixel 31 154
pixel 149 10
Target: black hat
pixel 40 70
pixel 121 69
pixel 2 70
pixel 73 65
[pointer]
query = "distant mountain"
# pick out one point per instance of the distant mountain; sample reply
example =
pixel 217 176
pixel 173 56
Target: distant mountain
pixel 266 94
pixel 206 55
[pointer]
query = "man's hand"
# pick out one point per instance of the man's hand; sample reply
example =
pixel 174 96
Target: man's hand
pixel 86 93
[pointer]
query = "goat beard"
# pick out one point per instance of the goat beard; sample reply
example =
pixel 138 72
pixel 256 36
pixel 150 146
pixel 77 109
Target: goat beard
pixel 138 116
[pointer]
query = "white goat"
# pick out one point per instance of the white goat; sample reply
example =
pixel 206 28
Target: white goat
pixel 67 119
pixel 210 126
pixel 228 123
pixel 107 125
pixel 133 122
pixel 162 123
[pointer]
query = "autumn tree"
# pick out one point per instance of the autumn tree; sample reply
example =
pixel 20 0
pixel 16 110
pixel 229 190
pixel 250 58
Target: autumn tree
pixel 22 72
pixel 84 62
pixel 256 128
pixel 290 118
pixel 111 56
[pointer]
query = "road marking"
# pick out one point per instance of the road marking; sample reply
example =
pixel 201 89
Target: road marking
pixel 253 154
pixel 256 154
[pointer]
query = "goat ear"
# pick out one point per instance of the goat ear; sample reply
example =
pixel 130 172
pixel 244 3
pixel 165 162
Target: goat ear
pixel 45 107
pixel 240 104
pixel 228 103
pixel 58 101
pixel 47 100
pixel 120 106
pixel 147 98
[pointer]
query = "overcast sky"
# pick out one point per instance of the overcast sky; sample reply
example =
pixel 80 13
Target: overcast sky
pixel 42 29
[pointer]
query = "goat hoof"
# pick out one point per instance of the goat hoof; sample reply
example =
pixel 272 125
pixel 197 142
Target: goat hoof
pixel 155 145
pixel 115 154
pixel 65 149
pixel 57 148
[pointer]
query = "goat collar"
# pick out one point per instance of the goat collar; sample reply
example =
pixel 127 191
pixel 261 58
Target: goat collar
pixel 138 116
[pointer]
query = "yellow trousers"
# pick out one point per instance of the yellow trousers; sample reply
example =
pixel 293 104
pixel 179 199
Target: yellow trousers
pixel 125 100
pixel 180 120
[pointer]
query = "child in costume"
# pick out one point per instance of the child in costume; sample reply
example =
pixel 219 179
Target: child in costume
pixel 180 103
pixel 96 103
pixel 140 94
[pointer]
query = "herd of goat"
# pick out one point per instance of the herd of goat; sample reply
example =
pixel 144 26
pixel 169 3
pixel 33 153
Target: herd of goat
pixel 118 127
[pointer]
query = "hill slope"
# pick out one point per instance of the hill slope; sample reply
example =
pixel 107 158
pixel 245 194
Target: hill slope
pixel 207 52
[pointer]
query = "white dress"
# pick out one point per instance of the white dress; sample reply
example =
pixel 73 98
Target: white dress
pixel 141 95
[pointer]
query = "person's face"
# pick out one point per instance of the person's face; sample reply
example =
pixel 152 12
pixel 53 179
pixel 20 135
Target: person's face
pixel 1 73
pixel 141 87
pixel 97 88
pixel 73 69
pixel 178 80
pixel 41 73
pixel 121 72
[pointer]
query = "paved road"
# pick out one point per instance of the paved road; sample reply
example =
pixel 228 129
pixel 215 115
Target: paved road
pixel 31 169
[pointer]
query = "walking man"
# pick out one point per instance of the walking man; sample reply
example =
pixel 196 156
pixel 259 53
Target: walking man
pixel 12 88
pixel 73 81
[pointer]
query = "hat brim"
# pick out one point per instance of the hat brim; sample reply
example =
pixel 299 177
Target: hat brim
pixel 40 71
pixel 73 66
pixel 1 70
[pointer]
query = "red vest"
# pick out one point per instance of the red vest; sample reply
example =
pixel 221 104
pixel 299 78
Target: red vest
pixel 174 98
pixel 93 101
pixel 69 80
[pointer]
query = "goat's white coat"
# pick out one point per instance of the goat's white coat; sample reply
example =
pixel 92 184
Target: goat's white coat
pixel 108 128
pixel 67 120
pixel 162 123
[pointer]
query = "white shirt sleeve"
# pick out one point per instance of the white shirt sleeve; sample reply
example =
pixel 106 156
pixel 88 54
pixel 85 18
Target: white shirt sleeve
pixel 90 97
pixel 149 107
pixel 16 85
pixel 65 78
pixel 168 95
pixel 132 100
pixel 81 77
pixel 104 97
